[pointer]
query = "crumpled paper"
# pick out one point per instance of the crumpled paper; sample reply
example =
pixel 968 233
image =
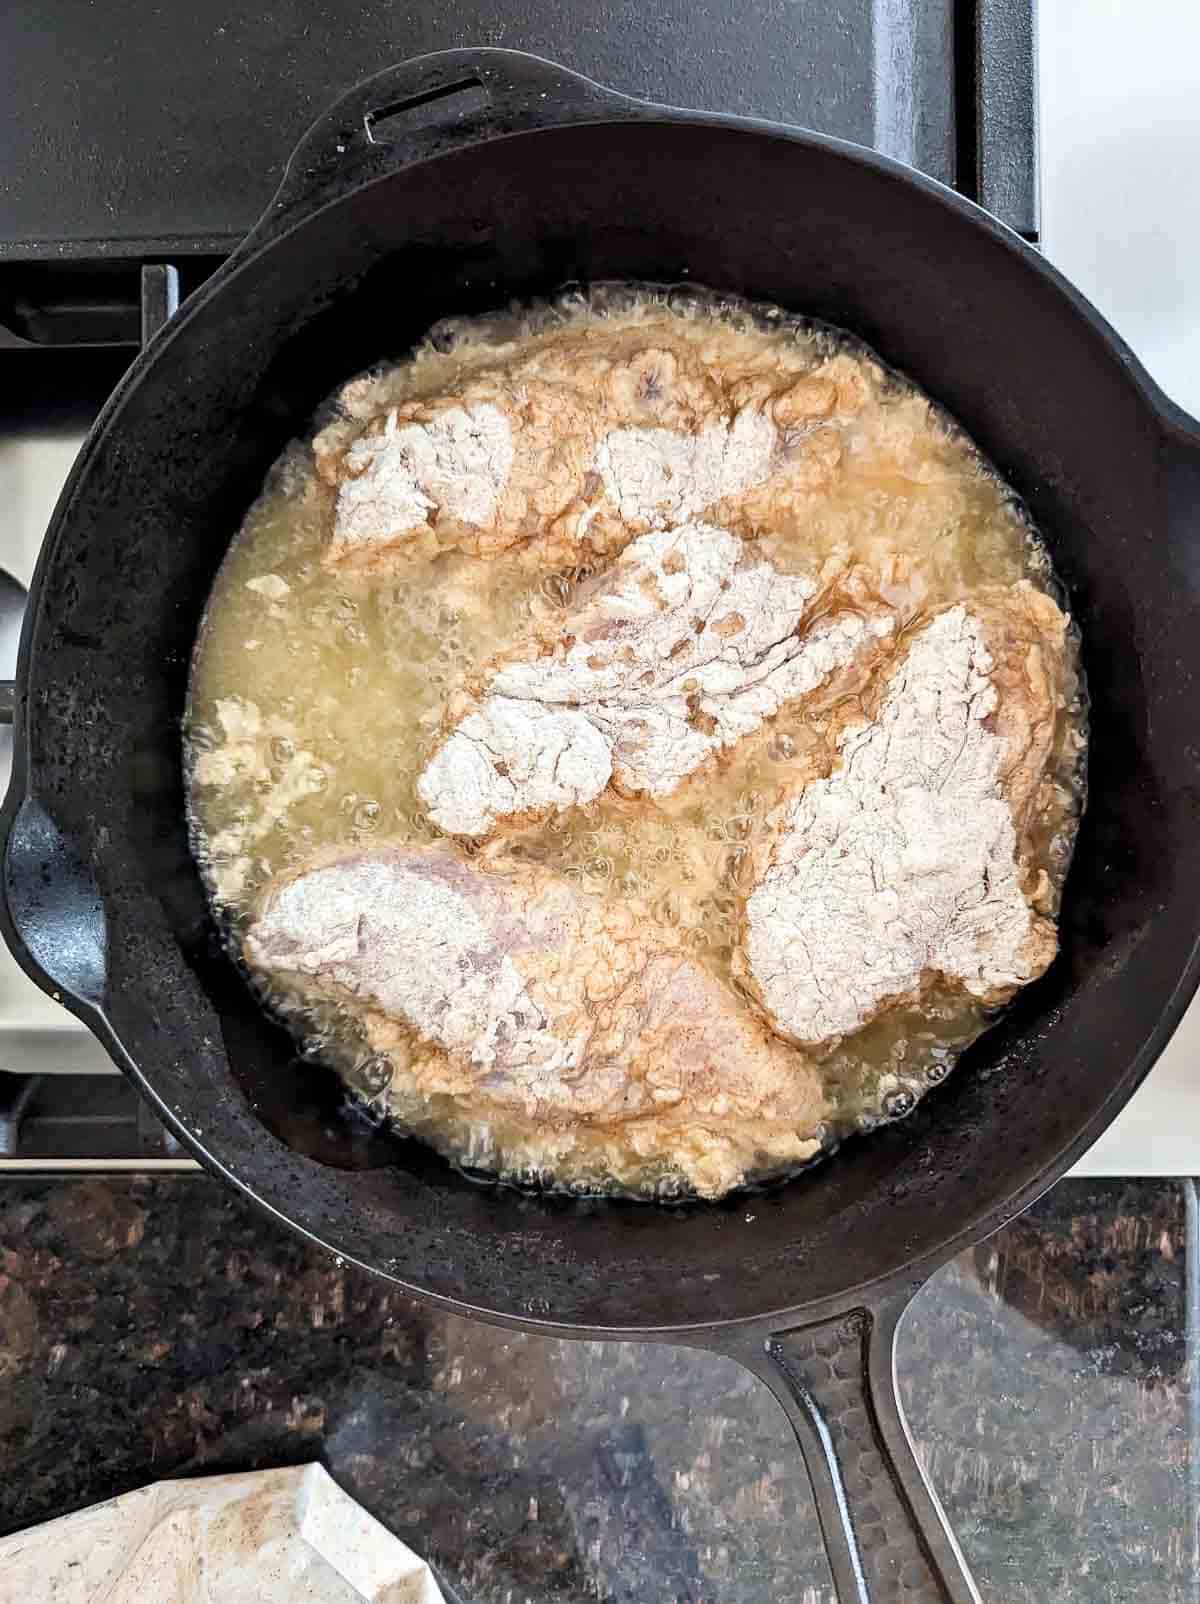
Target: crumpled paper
pixel 269 1537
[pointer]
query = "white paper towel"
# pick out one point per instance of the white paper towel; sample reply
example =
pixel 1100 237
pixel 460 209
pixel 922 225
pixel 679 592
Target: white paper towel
pixel 269 1537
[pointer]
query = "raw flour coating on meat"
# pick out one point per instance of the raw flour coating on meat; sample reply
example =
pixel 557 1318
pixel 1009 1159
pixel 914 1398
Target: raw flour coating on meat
pixel 548 1007
pixel 688 643
pixel 572 449
pixel 906 862
pixel 636 741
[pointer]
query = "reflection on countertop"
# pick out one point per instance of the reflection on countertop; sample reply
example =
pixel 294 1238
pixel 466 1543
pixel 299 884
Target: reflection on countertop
pixel 158 1327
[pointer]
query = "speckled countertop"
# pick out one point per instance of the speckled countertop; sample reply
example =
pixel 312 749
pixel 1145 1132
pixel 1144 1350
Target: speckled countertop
pixel 153 1328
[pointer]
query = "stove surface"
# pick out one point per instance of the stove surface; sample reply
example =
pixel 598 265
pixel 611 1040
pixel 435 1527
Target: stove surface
pixel 133 138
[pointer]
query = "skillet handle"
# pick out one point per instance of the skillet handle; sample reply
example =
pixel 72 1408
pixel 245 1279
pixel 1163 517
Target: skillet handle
pixel 886 1536
pixel 426 107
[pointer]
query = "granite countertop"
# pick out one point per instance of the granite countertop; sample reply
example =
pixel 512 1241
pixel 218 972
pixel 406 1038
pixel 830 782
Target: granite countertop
pixel 161 1327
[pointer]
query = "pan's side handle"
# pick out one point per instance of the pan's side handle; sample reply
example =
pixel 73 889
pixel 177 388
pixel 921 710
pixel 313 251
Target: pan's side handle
pixel 884 1530
pixel 426 107
pixel 53 911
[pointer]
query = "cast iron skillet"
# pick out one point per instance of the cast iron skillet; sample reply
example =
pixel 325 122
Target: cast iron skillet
pixel 448 185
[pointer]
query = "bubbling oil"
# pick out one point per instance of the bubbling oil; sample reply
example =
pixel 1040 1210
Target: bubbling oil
pixel 318 696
